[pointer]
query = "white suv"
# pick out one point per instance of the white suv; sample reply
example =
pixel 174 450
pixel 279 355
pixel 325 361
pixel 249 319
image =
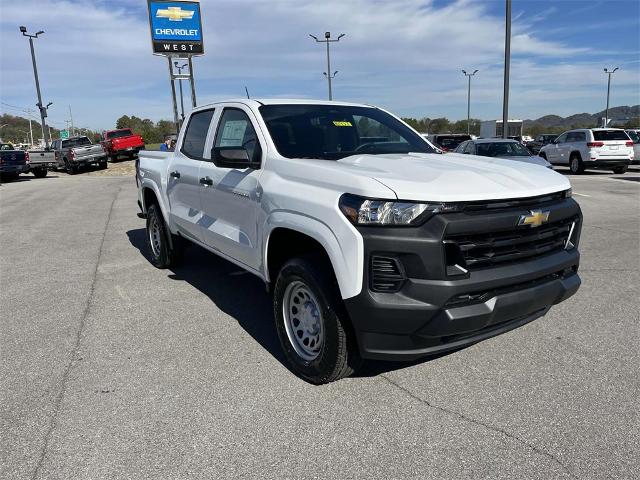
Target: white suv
pixel 602 148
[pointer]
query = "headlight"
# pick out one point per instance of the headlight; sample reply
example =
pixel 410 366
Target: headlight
pixel 568 193
pixel 367 211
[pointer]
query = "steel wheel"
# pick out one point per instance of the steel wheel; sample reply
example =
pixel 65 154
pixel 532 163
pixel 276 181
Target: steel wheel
pixel 303 320
pixel 155 236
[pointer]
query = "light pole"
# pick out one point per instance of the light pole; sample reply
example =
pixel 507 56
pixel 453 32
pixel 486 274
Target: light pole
pixel 469 75
pixel 42 108
pixel 328 40
pixel 609 73
pixel 507 63
pixel 180 83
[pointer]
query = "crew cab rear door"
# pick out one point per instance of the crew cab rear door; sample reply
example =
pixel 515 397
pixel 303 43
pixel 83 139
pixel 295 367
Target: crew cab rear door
pixel 230 197
pixel 183 180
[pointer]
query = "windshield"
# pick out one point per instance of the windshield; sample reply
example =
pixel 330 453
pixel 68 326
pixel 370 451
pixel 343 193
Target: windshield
pixel 502 149
pixel 76 142
pixel 450 142
pixel 604 135
pixel 119 133
pixel 332 132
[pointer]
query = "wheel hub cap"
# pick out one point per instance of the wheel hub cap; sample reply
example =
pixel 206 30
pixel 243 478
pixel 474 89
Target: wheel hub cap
pixel 303 320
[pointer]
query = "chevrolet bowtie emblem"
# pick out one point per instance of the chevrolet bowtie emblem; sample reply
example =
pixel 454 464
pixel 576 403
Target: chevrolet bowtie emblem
pixel 535 219
pixel 175 14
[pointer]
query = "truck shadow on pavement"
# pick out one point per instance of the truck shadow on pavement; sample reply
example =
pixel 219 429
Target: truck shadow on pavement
pixel 242 296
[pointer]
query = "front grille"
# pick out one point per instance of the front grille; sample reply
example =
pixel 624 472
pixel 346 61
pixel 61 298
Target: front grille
pixel 387 275
pixel 497 248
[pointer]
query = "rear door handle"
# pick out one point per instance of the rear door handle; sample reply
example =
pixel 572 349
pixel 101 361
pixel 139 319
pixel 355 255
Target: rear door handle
pixel 206 181
pixel 175 174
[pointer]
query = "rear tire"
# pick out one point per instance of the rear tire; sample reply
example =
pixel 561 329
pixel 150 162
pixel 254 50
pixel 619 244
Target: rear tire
pixel 70 168
pixel 162 254
pixel 575 164
pixel 40 172
pixel 620 170
pixel 102 165
pixel 306 287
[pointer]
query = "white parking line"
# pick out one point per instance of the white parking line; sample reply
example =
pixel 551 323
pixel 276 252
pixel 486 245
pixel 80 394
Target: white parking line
pixel 581 194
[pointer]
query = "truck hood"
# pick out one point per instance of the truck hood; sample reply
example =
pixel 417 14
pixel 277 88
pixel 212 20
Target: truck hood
pixel 455 177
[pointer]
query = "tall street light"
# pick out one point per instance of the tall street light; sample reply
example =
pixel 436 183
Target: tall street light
pixel 507 64
pixel 42 108
pixel 328 40
pixel 606 115
pixel 180 67
pixel 469 75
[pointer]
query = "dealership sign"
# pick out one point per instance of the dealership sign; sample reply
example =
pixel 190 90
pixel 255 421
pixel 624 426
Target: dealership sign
pixel 176 28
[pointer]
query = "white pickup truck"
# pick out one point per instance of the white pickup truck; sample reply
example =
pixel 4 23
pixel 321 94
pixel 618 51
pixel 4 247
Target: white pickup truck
pixel 374 245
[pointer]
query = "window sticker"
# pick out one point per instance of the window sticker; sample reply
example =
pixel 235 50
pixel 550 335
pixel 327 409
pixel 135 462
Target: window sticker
pixel 233 133
pixel 342 123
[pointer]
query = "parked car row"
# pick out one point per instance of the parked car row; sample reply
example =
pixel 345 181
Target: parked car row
pixel 70 154
pixel 579 149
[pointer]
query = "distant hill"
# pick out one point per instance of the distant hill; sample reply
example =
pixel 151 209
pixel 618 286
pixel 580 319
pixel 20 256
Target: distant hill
pixel 556 123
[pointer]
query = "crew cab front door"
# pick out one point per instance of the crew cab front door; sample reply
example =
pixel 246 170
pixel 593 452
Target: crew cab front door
pixel 183 179
pixel 555 151
pixel 230 197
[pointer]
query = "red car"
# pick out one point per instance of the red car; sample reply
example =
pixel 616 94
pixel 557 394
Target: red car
pixel 121 142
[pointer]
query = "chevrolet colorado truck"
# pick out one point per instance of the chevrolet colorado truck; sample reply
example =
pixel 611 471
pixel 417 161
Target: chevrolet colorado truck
pixel 12 162
pixel 373 245
pixel 76 152
pixel 121 142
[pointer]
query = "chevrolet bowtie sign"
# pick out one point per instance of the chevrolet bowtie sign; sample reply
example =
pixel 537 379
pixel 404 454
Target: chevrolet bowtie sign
pixel 176 28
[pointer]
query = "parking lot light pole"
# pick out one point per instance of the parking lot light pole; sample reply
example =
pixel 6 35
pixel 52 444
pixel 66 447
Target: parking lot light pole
pixel 42 108
pixel 507 64
pixel 609 73
pixel 469 75
pixel 180 67
pixel 328 40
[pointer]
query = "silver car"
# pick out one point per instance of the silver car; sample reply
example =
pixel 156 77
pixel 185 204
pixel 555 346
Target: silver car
pixel 501 148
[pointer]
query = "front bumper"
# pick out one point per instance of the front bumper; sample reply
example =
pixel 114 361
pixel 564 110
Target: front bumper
pixel 430 313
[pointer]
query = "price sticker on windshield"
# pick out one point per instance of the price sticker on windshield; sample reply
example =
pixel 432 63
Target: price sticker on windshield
pixel 343 123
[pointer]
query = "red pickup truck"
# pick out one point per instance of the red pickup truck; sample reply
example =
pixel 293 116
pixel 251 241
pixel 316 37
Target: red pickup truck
pixel 121 142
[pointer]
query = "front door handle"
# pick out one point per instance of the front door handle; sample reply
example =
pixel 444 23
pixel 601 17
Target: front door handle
pixel 175 174
pixel 206 181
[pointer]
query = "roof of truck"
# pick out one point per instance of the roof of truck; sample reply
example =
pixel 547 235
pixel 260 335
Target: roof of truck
pixel 288 101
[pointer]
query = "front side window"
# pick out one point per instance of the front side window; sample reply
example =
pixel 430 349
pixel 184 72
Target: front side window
pixel 236 130
pixel 332 132
pixel 562 138
pixel 196 134
pixel 460 148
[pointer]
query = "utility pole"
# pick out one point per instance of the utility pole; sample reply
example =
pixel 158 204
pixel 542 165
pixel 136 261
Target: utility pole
pixel 609 73
pixel 469 75
pixel 180 67
pixel 71 122
pixel 507 64
pixel 327 39
pixel 41 107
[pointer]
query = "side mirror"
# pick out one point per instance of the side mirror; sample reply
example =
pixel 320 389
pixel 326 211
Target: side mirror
pixel 232 157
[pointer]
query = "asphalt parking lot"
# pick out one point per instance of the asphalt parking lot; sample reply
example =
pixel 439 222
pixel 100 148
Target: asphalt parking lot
pixel 111 368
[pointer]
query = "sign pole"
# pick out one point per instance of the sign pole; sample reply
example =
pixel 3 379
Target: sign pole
pixel 192 84
pixel 173 96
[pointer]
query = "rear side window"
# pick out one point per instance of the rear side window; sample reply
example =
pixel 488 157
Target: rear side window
pixel 577 137
pixel 604 135
pixel 196 134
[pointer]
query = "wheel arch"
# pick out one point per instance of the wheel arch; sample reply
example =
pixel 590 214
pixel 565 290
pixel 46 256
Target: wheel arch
pixel 288 234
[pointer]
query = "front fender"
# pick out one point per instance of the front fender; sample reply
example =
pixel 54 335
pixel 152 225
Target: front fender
pixel 346 254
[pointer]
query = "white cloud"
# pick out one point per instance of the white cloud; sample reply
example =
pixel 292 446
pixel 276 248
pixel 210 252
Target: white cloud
pixel 405 55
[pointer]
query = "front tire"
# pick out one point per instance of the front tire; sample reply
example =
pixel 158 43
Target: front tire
pixel 575 164
pixel 311 322
pixel 161 253
pixel 620 170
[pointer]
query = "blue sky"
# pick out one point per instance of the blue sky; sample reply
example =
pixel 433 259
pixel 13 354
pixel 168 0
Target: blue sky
pixel 404 55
